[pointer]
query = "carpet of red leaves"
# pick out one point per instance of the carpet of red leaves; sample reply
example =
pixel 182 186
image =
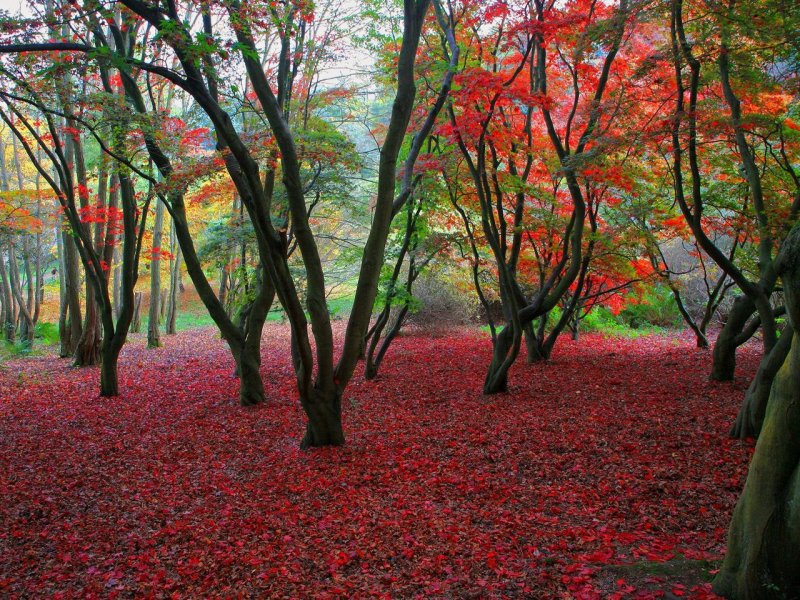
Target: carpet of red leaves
pixel 614 452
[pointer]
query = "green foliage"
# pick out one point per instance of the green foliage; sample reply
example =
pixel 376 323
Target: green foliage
pixel 223 238
pixel 654 306
pixel 47 333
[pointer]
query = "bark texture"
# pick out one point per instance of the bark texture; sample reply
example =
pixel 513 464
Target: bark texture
pixel 763 550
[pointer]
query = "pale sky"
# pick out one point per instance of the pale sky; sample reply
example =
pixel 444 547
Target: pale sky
pixel 14 6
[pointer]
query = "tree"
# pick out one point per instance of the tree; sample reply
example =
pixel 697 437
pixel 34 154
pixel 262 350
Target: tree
pixel 320 382
pixel 506 113
pixel 763 540
pixel 49 152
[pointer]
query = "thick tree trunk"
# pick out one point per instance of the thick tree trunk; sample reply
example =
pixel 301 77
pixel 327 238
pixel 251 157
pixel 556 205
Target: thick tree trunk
pixel 763 551
pixel 751 414
pixel 109 380
pixel 153 334
pixel 324 426
pixel 87 352
pixel 533 346
pixel 251 386
pixel 497 376
pixel 248 356
pixel 764 537
pixel 724 365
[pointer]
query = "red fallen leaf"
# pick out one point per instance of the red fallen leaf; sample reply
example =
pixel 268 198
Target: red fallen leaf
pixel 174 491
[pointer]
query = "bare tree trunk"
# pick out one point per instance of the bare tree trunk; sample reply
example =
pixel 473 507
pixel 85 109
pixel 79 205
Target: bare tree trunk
pixel 39 285
pixel 724 365
pixel 699 334
pixel 71 309
pixel 153 336
pixel 324 426
pixel 8 321
pixel 25 304
pixel 174 283
pixel 116 283
pixel 87 352
pixel 136 321
pixel 63 305
pixel 26 321
pixel 223 287
pixel 162 305
pixel 751 415
pixel 764 536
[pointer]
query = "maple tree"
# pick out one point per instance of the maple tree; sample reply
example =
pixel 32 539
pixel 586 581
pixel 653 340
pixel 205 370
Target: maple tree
pixel 556 156
pixel 320 383
pixel 59 162
pixel 21 225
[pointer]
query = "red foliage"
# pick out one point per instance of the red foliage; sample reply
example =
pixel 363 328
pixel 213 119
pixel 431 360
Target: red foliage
pixel 615 452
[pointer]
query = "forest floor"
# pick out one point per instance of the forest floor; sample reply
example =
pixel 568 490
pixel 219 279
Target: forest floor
pixel 605 473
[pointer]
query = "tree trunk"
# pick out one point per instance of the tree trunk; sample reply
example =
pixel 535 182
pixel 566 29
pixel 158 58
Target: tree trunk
pixel 751 414
pixel 374 363
pixel 72 315
pixel 116 284
pixel 29 322
pixel 701 341
pixel 8 322
pixel 136 322
pixel 324 426
pixel 223 287
pixel 109 381
pixel 162 305
pixel 26 321
pixel 248 357
pixel 699 334
pixel 153 336
pixel 764 537
pixel 533 347
pixel 174 284
pixel 63 305
pixel 371 365
pixel 251 386
pixel 497 376
pixel 87 352
pixel 724 365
